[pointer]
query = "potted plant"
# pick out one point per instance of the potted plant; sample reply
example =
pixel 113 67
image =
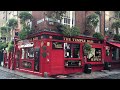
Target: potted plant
pixel 99 36
pixel 67 31
pixel 117 37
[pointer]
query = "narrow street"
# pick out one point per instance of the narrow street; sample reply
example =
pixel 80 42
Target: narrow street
pixel 115 76
pixel 11 74
pixel 8 75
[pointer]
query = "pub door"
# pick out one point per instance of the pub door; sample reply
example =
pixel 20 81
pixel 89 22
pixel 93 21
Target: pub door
pixel 37 59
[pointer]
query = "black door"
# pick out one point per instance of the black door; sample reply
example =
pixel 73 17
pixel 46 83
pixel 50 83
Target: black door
pixel 37 59
pixel 1 57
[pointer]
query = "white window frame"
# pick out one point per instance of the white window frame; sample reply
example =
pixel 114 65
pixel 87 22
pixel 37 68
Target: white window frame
pixel 72 20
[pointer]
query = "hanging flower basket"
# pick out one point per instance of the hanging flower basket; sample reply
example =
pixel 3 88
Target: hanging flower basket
pixel 86 48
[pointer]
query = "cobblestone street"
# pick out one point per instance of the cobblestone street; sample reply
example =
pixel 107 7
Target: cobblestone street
pixel 103 74
pixel 115 76
pixel 8 75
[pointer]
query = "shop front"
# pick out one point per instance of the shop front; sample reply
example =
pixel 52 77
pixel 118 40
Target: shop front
pixel 50 53
pixel 113 53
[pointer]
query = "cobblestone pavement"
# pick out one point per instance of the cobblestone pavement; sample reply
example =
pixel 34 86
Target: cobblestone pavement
pixel 104 74
pixel 7 75
pixel 115 76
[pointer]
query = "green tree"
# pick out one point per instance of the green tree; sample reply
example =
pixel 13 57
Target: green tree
pixel 5 32
pixel 3 45
pixel 12 23
pixel 117 14
pixel 115 25
pixel 24 17
pixel 67 31
pixel 10 47
pixel 92 22
pixel 23 34
pixel 56 15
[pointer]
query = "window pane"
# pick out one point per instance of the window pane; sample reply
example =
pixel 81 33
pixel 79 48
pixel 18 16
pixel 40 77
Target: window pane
pixel 68 21
pixel 23 53
pixel 71 50
pixel 95 55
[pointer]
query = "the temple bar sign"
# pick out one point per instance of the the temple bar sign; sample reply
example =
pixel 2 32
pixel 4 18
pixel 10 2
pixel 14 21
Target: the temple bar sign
pixel 77 40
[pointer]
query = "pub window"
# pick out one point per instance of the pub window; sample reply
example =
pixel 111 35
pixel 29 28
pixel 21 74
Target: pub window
pixel 107 51
pixel 57 45
pixel 95 55
pixel 71 50
pixel 29 53
pixel 115 53
pixel 23 53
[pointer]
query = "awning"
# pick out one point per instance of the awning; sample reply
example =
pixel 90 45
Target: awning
pixel 115 44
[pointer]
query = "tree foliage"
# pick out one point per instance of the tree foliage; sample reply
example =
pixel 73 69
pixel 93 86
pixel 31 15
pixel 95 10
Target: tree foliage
pixel 12 23
pixel 92 20
pixel 11 46
pixel 24 16
pixel 24 33
pixel 117 14
pixel 115 25
pixel 56 14
pixel 67 31
pixel 5 28
pixel 3 45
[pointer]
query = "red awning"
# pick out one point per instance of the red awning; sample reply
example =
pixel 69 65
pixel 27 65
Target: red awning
pixel 115 44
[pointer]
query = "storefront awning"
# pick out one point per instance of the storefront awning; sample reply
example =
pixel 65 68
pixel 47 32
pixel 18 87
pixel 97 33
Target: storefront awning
pixel 115 44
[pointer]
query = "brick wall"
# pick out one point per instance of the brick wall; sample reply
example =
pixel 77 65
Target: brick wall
pixel 80 20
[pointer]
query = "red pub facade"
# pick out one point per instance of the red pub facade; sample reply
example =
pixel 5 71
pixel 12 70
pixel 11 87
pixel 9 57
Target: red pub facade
pixel 50 53
pixel 47 52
